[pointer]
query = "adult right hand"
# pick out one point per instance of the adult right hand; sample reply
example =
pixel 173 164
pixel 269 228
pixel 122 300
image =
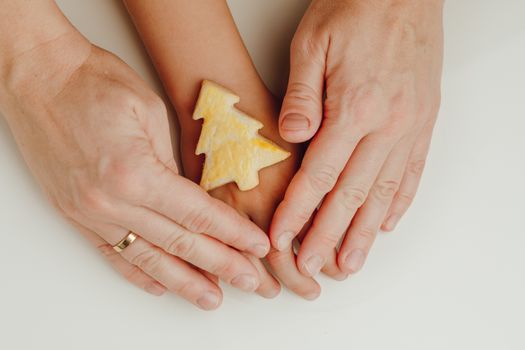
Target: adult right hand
pixel 97 140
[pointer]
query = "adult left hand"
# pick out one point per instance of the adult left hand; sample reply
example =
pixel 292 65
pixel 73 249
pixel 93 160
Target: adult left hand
pixel 365 85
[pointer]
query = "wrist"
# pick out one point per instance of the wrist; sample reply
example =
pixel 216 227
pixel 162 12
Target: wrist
pixel 26 25
pixel 39 46
pixel 403 7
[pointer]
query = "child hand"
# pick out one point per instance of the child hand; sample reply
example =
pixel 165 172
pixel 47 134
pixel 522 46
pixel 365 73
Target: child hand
pixel 259 204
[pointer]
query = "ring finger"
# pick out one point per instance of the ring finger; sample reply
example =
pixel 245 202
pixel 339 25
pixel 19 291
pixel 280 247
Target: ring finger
pixel 363 229
pixel 176 275
pixel 131 272
pixel 200 250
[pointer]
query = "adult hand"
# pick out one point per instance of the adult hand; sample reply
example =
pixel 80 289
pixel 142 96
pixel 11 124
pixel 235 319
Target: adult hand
pixel 365 84
pixel 97 140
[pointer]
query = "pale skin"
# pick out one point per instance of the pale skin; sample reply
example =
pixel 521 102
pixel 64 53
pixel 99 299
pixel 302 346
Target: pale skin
pixel 183 62
pixel 378 66
pixel 97 138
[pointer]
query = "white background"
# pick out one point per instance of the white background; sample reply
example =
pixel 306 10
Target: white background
pixel 451 277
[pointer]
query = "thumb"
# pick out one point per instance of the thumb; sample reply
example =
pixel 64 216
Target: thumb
pixel 302 108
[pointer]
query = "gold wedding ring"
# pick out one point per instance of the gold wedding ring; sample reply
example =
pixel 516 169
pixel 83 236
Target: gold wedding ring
pixel 126 241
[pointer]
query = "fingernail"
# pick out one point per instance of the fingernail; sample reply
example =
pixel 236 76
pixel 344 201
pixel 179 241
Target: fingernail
pixel 355 260
pixel 209 301
pixel 272 293
pixel 155 289
pixel 341 277
pixel 260 250
pixel 295 122
pixel 311 296
pixel 313 265
pixel 391 223
pixel 247 283
pixel 284 240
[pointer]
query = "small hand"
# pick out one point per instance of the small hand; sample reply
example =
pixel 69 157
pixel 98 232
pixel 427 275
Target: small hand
pixel 365 85
pixel 97 140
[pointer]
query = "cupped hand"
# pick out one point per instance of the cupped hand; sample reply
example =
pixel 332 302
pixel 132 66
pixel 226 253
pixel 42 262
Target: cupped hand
pixel 258 204
pixel 97 140
pixel 365 86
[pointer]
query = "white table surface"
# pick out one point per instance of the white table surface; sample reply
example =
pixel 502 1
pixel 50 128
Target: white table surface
pixel 451 277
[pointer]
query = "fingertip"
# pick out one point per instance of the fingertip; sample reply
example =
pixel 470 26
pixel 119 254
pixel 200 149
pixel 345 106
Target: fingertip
pixel 384 229
pixel 209 301
pixel 340 277
pixel 271 293
pixel 258 244
pixel 260 250
pixel 352 262
pixel 390 224
pixel 312 295
pixel 246 282
pixel 155 289
pixel 311 265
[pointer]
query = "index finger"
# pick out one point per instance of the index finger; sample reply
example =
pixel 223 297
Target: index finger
pixel 190 206
pixel 323 162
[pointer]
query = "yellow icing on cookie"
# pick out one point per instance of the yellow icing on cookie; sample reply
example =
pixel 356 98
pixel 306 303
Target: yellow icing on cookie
pixel 230 140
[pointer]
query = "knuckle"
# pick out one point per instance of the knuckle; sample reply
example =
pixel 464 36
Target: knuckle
pixel 429 106
pixel 365 99
pixel 385 190
pixel 301 92
pixel 225 268
pixel 365 234
pixel 400 123
pixel 235 238
pixel 415 167
pixel 406 197
pixel 277 260
pixel 360 107
pixel 125 99
pixel 392 133
pixel 301 213
pixel 330 239
pixel 198 221
pixel 148 260
pixel 185 289
pixel 323 178
pixel 122 180
pixel 304 45
pixel 353 197
pixel 423 109
pixel 340 100
pixel 301 288
pixel 90 201
pixel 133 275
pixel 182 245
pixel 156 105
pixel 107 250
pixel 366 104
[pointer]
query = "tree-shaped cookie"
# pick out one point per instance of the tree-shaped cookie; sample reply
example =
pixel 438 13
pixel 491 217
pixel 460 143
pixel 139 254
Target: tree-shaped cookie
pixel 230 140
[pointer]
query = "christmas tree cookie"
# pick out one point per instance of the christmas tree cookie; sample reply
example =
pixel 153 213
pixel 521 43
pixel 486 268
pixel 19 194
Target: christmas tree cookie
pixel 235 152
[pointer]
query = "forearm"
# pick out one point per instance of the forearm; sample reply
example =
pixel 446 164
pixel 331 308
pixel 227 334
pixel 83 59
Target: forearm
pixel 190 41
pixel 194 40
